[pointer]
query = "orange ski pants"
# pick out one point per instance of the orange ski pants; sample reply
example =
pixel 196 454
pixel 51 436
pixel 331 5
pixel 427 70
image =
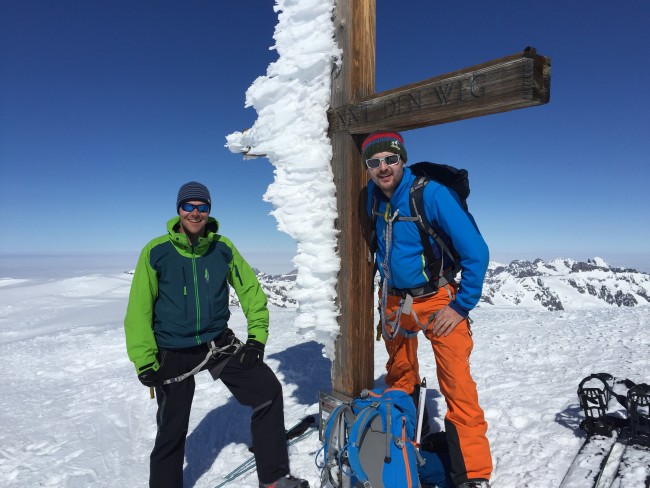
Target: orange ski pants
pixel 465 424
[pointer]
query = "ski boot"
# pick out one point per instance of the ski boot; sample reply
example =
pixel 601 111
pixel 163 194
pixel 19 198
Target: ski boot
pixel 475 484
pixel 286 481
pixel 638 400
pixel 594 400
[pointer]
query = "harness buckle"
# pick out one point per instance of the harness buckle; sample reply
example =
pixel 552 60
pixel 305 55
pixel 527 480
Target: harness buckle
pixel 235 345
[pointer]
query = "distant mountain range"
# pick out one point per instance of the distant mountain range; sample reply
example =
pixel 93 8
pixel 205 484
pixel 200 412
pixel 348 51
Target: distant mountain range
pixel 560 284
pixel 276 287
pixel 564 284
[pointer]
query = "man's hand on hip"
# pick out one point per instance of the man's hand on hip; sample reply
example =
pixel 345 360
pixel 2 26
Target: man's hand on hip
pixel 446 320
pixel 150 378
pixel 251 354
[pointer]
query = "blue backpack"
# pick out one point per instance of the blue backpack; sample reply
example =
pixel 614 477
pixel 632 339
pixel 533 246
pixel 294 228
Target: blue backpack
pixel 369 442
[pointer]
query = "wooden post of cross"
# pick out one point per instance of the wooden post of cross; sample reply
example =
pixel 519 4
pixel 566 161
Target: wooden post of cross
pixel 353 363
pixel 512 82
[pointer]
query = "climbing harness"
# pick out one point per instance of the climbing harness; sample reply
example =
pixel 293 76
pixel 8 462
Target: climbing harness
pixel 214 352
pixel 442 279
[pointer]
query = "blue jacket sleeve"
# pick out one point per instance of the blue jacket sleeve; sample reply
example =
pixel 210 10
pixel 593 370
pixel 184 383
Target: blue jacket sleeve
pixel 443 207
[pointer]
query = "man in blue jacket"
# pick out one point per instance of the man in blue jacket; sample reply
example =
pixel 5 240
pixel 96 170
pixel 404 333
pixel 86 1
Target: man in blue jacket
pixel 418 295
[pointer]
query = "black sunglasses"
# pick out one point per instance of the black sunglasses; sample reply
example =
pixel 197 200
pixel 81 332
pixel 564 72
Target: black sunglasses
pixel 201 207
pixel 373 163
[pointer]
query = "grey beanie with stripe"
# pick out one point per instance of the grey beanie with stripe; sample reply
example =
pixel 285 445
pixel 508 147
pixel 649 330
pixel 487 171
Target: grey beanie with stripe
pixel 193 190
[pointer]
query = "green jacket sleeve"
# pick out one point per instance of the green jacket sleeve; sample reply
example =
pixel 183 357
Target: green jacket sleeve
pixel 251 296
pixel 138 323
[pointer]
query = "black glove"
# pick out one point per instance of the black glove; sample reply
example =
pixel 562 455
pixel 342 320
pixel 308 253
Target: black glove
pixel 251 353
pixel 150 377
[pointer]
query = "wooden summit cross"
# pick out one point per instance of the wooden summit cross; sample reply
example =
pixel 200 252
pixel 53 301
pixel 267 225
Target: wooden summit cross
pixel 517 81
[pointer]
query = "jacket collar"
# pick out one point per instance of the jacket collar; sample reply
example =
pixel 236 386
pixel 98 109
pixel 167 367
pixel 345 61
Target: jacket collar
pixel 181 241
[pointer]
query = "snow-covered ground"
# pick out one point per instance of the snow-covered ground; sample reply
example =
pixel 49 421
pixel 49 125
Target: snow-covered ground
pixel 74 415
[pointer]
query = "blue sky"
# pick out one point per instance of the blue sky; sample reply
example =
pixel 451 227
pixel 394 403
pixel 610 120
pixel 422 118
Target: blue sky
pixel 107 107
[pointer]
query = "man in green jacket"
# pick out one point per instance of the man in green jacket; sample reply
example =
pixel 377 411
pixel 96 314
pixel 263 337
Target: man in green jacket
pixel 177 325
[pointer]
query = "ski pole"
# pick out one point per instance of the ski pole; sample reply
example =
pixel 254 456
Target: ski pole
pixel 151 393
pixel 301 430
pixel 421 400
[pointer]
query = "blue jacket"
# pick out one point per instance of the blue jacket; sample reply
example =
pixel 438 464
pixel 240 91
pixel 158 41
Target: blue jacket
pixel 407 263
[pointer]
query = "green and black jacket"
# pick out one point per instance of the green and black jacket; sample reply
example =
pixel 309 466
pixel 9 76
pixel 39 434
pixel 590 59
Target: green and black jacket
pixel 179 295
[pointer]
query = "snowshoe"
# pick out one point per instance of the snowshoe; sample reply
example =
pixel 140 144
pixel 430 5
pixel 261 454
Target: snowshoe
pixel 594 393
pixel 638 400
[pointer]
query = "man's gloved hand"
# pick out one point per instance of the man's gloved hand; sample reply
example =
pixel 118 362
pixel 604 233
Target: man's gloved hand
pixel 251 353
pixel 150 377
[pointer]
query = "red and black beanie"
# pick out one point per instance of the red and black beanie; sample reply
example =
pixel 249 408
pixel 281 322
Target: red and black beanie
pixel 383 141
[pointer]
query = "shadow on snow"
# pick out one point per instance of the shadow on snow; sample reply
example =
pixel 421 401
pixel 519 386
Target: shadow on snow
pixel 570 418
pixel 302 365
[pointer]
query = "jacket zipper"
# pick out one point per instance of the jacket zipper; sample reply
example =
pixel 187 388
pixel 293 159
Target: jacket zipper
pixel 196 298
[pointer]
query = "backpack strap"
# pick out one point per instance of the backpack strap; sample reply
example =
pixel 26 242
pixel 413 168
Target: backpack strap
pixel 335 443
pixel 416 204
pixel 365 417
pixel 372 245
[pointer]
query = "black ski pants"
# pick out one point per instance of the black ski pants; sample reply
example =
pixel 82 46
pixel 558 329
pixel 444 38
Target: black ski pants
pixel 257 387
